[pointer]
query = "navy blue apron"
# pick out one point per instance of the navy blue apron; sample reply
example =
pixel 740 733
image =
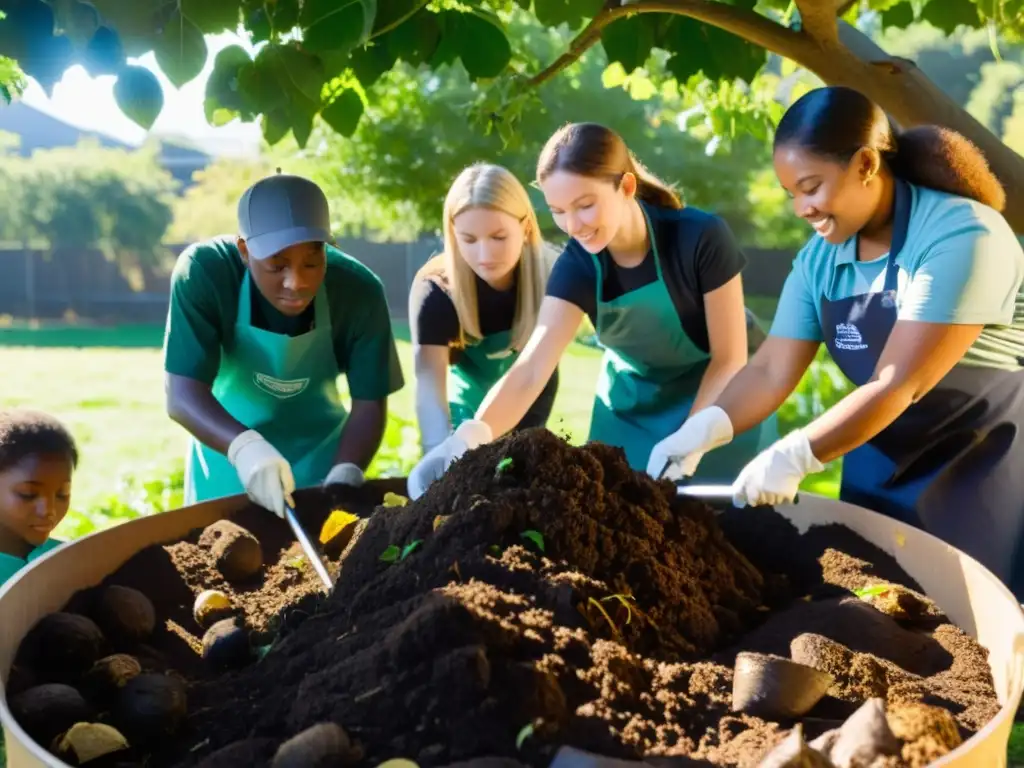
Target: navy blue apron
pixel 953 463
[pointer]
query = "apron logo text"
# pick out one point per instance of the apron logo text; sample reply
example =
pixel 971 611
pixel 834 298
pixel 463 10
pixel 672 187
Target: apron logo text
pixel 280 388
pixel 848 337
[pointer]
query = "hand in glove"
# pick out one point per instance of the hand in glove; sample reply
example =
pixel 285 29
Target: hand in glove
pixel 344 474
pixel 705 430
pixel 774 476
pixel 264 472
pixel 469 435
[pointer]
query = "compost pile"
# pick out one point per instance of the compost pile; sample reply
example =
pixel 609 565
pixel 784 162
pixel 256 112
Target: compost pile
pixel 538 597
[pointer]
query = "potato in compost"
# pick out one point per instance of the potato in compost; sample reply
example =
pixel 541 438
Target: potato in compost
pixel 48 710
pixel 63 646
pixel 125 614
pixel 150 707
pixel 108 676
pixel 236 552
pixel 321 746
pixel 211 606
pixel 85 742
pixel 226 645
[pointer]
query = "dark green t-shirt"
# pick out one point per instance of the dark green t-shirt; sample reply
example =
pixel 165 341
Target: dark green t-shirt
pixel 205 288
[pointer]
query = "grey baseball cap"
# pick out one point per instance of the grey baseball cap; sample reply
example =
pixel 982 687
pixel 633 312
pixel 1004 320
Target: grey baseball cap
pixel 280 211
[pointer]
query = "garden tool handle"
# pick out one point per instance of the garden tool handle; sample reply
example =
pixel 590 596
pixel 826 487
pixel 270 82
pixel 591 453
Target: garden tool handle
pixel 308 547
pixel 713 492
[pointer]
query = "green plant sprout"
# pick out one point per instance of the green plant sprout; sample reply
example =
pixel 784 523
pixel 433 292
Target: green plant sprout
pixel 409 548
pixel 495 550
pixel 391 554
pixel 524 733
pixel 536 537
pixel 624 599
pixel 874 589
pixel 607 618
pixel 296 562
pixel 504 465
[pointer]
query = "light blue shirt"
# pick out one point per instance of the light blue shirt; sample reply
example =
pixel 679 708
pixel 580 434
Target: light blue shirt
pixel 961 265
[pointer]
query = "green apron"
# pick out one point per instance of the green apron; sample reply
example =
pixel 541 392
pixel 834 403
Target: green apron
pixel 479 368
pixel 285 388
pixel 650 375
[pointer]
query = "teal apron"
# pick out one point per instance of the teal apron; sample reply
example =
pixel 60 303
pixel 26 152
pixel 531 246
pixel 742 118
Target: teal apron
pixel 650 375
pixel 285 388
pixel 478 368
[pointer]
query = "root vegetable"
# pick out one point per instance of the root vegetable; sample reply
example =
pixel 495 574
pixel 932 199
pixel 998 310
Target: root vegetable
pixel 150 707
pixel 63 646
pixel 246 752
pixel 323 745
pixel 236 552
pixel 85 742
pixel 108 676
pixel 210 607
pixel 125 614
pixel 48 710
pixel 773 687
pixel 226 645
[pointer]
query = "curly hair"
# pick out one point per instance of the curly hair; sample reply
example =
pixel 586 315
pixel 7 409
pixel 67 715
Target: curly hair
pixel 25 432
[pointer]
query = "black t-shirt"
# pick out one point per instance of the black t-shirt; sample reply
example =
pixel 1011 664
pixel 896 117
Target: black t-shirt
pixel 697 252
pixel 434 321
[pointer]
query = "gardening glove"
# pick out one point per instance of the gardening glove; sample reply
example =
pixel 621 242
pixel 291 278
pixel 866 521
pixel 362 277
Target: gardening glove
pixel 683 449
pixel 774 476
pixel 264 472
pixel 470 434
pixel 344 474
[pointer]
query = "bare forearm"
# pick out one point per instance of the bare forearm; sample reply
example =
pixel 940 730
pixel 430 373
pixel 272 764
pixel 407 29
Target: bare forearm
pixel 510 399
pixel 751 396
pixel 192 405
pixel 716 377
pixel 362 433
pixel 856 418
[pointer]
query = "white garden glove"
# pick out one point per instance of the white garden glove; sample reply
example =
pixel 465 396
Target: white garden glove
pixel 774 475
pixel 705 430
pixel 264 472
pixel 470 434
pixel 344 474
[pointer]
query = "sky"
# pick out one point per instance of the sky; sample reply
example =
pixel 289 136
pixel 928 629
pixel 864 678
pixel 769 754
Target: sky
pixel 88 103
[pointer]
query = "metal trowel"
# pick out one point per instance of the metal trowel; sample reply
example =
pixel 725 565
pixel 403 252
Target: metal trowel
pixel 309 548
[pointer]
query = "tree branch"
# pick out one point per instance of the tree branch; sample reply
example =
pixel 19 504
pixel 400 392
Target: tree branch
pixel 751 26
pixel 818 19
pixel 401 19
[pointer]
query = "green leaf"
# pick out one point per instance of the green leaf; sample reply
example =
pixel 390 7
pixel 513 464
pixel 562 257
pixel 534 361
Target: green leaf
pixel 136 22
pixel 391 554
pixel 180 50
pixel 409 548
pixel 344 112
pixel 415 40
pixel 104 54
pixel 494 550
pixel 481 42
pixel 947 15
pixel 370 62
pixel 332 25
pixel 224 88
pixel 77 20
pixel 536 537
pixel 524 733
pixel 503 465
pixel 212 15
pixel 391 12
pixel 552 13
pixel 718 54
pixel 138 94
pixel 260 86
pixel 875 589
pixel 275 125
pixel 301 112
pixel 629 41
pixel 900 15
pixel 295 70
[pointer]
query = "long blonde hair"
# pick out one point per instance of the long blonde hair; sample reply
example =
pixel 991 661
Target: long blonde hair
pixel 484 185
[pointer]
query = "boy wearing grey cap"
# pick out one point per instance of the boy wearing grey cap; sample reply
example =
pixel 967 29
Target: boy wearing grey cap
pixel 259 328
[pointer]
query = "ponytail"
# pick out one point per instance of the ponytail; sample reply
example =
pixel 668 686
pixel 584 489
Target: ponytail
pixel 652 190
pixel 938 158
pixel 836 122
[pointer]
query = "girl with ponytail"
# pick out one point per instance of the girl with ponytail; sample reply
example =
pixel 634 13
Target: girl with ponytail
pixel 913 281
pixel 661 285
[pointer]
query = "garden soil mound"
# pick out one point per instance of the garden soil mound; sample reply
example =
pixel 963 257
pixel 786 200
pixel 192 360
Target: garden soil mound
pixel 541 595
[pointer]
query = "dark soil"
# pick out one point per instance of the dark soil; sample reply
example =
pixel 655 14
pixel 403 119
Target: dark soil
pixel 559 599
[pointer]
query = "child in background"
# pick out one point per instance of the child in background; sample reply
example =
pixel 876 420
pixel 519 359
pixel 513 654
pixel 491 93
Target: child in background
pixel 37 458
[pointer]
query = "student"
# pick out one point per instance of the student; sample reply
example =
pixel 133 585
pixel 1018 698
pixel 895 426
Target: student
pixel 37 459
pixel 913 282
pixel 661 285
pixel 473 307
pixel 258 330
